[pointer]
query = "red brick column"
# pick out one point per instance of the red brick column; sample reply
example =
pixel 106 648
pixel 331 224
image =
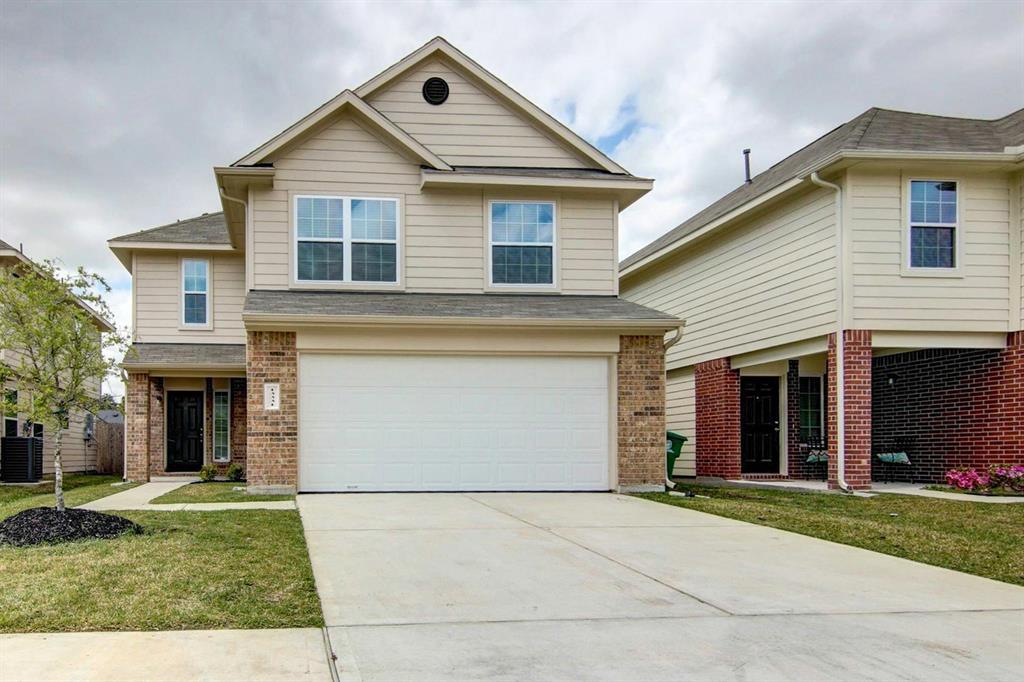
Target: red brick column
pixel 718 419
pixel 641 413
pixel 136 424
pixel 272 447
pixel 157 438
pixel 238 422
pixel 857 399
pixel 796 460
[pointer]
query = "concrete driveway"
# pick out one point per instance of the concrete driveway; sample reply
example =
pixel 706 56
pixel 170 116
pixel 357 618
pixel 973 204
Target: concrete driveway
pixel 596 586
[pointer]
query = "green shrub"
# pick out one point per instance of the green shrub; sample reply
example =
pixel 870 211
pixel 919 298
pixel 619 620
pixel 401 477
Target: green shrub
pixel 208 472
pixel 235 472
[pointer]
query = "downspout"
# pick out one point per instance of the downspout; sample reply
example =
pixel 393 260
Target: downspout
pixel 840 344
pixel 245 206
pixel 669 483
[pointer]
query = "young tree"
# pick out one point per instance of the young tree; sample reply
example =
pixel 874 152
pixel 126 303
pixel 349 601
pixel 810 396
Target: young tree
pixel 54 348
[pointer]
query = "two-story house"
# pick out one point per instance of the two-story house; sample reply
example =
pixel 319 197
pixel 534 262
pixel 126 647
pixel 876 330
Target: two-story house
pixel 415 287
pixel 78 448
pixel 856 308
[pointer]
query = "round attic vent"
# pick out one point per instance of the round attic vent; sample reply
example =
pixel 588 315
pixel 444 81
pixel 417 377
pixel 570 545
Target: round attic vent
pixel 435 90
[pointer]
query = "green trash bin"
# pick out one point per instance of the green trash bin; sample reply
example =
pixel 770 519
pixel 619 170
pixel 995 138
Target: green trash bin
pixel 673 445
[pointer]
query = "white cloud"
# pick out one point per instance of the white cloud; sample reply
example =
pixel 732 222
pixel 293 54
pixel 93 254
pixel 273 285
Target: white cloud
pixel 113 115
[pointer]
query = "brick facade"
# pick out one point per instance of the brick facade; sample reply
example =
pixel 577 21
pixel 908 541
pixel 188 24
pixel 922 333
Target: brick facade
pixel 857 397
pixel 641 413
pixel 949 408
pixel 272 434
pixel 796 454
pixel 157 434
pixel 718 419
pixel 136 423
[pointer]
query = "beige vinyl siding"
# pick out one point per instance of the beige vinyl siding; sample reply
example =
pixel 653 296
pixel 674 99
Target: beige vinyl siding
pixel 886 297
pixel 770 280
pixel 157 282
pixel 681 416
pixel 473 127
pixel 443 231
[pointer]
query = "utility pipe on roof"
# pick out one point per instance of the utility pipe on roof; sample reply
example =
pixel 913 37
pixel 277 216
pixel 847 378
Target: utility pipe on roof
pixel 840 345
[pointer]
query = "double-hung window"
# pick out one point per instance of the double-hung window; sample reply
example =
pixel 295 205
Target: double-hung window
pixel 522 243
pixel 221 426
pixel 346 239
pixel 933 224
pixel 195 292
pixel 812 410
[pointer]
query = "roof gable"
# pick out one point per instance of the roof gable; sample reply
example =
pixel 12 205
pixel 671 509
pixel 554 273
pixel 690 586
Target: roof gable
pixel 352 102
pixel 474 126
pixel 441 51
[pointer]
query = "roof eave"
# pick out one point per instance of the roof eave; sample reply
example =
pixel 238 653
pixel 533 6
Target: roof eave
pixel 291 320
pixel 628 189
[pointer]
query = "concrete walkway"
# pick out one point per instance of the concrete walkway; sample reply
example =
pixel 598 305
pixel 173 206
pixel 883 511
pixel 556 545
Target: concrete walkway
pixel 605 587
pixel 138 499
pixel 208 655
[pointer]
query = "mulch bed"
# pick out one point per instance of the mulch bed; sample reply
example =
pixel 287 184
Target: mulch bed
pixel 46 525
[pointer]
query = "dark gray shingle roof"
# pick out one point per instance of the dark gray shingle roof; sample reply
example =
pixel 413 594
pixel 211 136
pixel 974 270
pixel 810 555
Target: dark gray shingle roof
pixel 186 355
pixel 486 306
pixel 208 228
pixel 874 130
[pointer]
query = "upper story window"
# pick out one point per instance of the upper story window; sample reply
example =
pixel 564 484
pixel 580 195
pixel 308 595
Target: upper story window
pixel 346 239
pixel 195 291
pixel 933 224
pixel 522 243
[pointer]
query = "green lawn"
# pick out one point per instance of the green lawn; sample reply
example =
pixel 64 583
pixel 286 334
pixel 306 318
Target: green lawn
pixel 188 570
pixel 984 539
pixel 78 489
pixel 214 492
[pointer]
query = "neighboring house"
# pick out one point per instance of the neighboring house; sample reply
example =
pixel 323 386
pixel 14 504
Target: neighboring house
pixel 902 230
pixel 412 288
pixel 78 452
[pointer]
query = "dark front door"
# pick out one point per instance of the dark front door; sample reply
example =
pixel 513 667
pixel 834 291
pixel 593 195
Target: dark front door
pixel 184 430
pixel 759 420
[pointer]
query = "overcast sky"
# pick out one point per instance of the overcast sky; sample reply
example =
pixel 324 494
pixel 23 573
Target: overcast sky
pixel 112 115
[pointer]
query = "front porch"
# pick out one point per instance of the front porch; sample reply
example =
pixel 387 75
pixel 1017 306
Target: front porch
pixel 912 413
pixel 186 407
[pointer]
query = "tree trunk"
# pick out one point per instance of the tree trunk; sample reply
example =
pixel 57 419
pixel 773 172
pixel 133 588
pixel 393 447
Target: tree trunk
pixel 58 470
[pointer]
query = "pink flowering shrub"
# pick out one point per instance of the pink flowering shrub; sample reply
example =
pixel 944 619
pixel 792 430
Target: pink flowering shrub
pixel 1008 477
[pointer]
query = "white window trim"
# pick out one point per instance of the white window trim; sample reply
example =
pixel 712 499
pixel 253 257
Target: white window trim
pixel 958 253
pixel 208 325
pixel 213 420
pixel 553 286
pixel 346 241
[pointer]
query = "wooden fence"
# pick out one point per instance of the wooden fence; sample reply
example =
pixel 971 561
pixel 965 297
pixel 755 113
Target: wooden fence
pixel 109 448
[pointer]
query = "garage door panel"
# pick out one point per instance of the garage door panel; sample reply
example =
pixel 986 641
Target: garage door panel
pixel 453 423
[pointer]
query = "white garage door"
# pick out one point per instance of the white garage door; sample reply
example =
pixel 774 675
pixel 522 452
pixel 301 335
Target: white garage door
pixel 382 422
